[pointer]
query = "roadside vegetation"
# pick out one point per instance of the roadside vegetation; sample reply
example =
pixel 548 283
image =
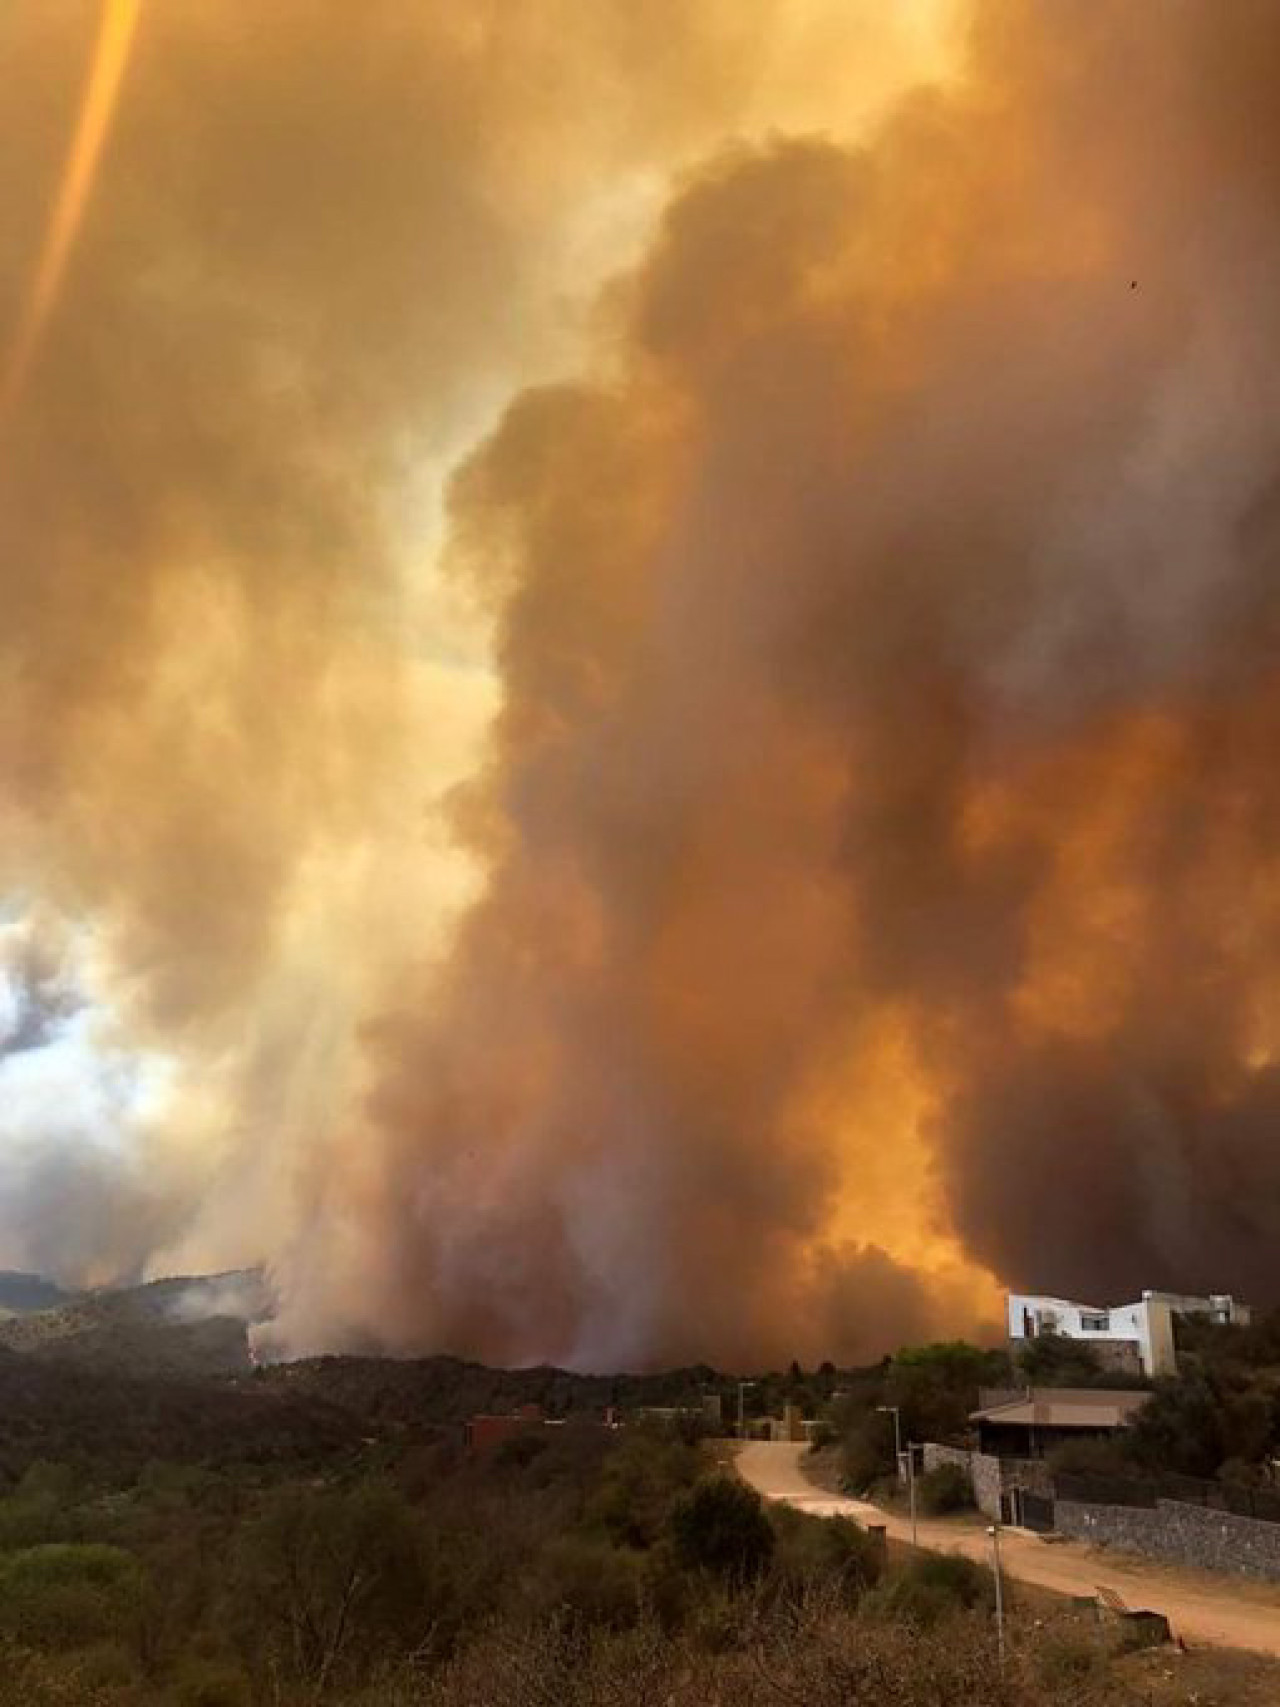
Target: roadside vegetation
pixel 585 1568
pixel 321 1536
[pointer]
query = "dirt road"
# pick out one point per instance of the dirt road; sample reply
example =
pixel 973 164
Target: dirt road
pixel 1231 1611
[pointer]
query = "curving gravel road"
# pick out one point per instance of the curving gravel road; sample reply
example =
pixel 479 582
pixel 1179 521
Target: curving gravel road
pixel 1229 1611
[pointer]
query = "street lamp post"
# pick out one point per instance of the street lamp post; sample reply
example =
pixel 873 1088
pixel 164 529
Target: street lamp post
pixel 896 1413
pixel 742 1408
pixel 993 1530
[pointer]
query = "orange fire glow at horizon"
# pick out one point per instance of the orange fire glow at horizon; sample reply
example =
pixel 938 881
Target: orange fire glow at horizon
pixel 106 73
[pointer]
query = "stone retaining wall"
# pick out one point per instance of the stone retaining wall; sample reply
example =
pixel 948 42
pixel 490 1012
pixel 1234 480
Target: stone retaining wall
pixel 983 1471
pixel 1179 1534
pixel 991 1476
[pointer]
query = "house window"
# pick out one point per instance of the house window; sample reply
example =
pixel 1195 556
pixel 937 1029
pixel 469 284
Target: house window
pixel 1099 1323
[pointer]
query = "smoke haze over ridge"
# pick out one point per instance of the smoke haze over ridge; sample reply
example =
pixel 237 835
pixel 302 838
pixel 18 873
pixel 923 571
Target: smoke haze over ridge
pixel 788 847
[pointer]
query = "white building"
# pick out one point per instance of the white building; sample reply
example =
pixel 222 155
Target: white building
pixel 1127 1335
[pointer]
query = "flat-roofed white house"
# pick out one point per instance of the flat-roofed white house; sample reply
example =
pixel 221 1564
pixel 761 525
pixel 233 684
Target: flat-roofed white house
pixel 1134 1336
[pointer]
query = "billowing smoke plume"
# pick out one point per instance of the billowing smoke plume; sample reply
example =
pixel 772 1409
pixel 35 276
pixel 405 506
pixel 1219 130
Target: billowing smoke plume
pixel 312 256
pixel 888 640
pixel 875 830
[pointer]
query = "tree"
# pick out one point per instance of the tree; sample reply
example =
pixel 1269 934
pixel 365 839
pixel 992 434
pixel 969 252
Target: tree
pixel 1179 1429
pixel 866 1450
pixel 324 1577
pixel 936 1386
pixel 1054 1360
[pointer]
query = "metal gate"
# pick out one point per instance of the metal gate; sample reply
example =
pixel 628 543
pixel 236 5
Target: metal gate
pixel 1033 1511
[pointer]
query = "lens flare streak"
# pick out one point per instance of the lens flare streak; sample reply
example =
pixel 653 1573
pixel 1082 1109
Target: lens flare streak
pixel 106 73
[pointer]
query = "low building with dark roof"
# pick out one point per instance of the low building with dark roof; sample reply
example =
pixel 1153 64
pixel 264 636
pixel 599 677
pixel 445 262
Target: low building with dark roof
pixel 1029 1424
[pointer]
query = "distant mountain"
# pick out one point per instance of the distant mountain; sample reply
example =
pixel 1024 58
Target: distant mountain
pixel 20 1293
pixel 120 1421
pixel 242 1293
pixel 190 1325
pixel 401 1393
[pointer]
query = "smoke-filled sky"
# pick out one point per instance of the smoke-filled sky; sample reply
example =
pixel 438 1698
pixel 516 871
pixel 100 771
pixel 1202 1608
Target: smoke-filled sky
pixel 640 674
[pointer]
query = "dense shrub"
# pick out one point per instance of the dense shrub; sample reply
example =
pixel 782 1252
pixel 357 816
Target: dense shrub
pixel 945 1488
pixel 638 1484
pixel 1180 1428
pixel 932 1586
pixel 602 1573
pixel 586 1580
pixel 1056 1360
pixel 814 1551
pixel 62 1596
pixel 813 1655
pixel 720 1526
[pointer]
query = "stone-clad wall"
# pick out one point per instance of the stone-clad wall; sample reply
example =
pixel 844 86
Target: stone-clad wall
pixel 982 1470
pixel 991 1476
pixel 1178 1533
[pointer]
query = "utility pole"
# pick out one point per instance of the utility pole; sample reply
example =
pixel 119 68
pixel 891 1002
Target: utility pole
pixel 911 1486
pixel 993 1530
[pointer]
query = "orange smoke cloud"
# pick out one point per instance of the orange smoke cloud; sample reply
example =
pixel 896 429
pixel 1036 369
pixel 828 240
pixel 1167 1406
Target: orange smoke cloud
pixel 879 749
pixel 801 857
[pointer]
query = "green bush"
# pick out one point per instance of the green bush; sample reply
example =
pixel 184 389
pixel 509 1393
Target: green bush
pixel 31 1520
pixel 866 1453
pixel 823 1551
pixel 589 1581
pixel 1053 1360
pixel 933 1586
pixel 720 1526
pixel 40 1507
pixel 638 1484
pixel 945 1488
pixel 44 1478
pixel 62 1596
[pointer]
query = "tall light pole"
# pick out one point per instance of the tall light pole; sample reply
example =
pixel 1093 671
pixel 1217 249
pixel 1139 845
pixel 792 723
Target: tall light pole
pixel 896 1413
pixel 742 1408
pixel 993 1530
